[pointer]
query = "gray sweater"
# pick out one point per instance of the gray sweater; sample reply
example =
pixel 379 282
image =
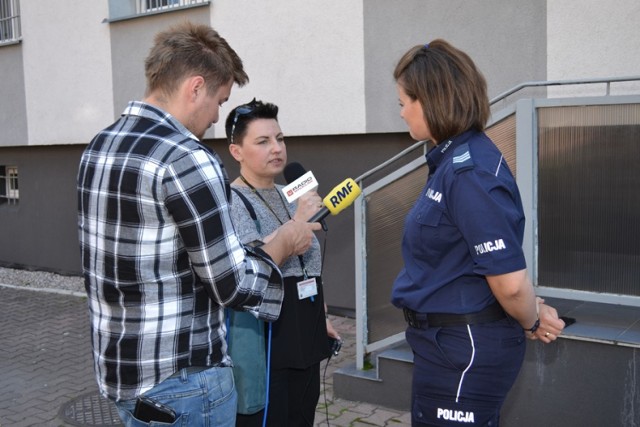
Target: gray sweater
pixel 248 233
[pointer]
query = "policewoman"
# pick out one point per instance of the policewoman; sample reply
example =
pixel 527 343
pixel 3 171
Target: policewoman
pixel 464 289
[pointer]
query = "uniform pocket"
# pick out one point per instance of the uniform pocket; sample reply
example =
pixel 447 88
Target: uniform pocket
pixel 427 239
pixel 455 347
pixel 429 216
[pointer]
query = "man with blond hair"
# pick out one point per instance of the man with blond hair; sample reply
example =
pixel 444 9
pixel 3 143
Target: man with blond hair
pixel 160 255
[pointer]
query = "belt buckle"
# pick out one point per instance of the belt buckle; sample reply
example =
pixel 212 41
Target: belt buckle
pixel 409 317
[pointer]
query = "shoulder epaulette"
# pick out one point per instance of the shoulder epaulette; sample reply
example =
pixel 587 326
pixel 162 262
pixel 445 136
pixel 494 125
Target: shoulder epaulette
pixel 462 158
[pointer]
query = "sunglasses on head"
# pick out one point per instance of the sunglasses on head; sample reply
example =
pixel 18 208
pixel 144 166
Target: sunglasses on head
pixel 240 111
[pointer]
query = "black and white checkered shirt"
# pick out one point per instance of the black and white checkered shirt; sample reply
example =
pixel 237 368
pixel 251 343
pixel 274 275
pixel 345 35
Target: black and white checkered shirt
pixel 160 254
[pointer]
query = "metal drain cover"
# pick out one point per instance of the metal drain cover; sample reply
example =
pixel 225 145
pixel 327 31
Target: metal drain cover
pixel 90 410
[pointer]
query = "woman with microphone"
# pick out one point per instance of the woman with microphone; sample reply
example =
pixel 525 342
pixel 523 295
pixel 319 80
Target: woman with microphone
pixel 299 338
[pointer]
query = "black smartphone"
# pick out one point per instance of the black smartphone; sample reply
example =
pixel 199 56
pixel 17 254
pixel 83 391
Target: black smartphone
pixel 335 346
pixel 568 320
pixel 149 410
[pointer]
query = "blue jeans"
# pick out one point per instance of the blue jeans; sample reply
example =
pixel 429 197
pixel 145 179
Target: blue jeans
pixel 205 398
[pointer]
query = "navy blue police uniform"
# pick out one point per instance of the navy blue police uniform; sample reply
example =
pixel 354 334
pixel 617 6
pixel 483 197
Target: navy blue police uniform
pixel 467 223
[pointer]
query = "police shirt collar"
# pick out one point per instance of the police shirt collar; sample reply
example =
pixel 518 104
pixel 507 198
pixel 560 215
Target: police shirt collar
pixel 437 154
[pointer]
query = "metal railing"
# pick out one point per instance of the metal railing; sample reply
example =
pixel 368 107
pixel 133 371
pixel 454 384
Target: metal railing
pixel 546 83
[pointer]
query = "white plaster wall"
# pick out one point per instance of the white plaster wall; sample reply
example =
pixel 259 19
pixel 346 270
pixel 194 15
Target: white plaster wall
pixel 67 63
pixel 593 39
pixel 306 56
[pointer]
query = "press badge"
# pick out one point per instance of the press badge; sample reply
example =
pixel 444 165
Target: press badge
pixel 307 288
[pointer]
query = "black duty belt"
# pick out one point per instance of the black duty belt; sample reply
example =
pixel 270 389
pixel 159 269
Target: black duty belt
pixel 424 320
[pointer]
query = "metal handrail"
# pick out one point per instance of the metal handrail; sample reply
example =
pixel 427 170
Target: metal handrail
pixel 502 96
pixel 391 160
pixel 607 80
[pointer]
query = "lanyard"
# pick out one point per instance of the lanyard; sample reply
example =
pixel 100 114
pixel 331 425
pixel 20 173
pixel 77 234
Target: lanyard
pixel 253 189
pixel 286 209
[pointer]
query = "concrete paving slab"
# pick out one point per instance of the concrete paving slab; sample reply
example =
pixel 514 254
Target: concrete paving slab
pixel 46 369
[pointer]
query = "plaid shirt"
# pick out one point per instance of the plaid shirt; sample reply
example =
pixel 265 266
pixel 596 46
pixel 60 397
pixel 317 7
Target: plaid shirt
pixel 160 255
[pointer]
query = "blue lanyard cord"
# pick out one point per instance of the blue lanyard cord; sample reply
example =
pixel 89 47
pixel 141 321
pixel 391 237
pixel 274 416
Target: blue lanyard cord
pixel 266 399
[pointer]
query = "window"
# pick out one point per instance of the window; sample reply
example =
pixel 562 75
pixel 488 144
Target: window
pixel 145 6
pixel 149 5
pixel 120 10
pixel 9 21
pixel 9 192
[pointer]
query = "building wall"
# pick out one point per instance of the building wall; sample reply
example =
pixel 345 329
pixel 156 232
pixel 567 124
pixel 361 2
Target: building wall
pixel 67 70
pixel 506 40
pixel 40 232
pixel 573 383
pixel 328 65
pixel 306 56
pixel 128 58
pixel 593 39
pixel 13 120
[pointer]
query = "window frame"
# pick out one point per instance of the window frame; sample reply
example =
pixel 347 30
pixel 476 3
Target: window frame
pixel 9 185
pixel 121 10
pixel 10 29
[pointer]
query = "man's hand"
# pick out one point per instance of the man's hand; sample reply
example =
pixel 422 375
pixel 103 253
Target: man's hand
pixel 291 238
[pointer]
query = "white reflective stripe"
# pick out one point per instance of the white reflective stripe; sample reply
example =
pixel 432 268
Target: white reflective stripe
pixel 499 164
pixel 473 355
pixel 462 157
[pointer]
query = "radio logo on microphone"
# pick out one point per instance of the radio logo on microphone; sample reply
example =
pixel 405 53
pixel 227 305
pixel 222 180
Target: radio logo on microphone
pixel 300 186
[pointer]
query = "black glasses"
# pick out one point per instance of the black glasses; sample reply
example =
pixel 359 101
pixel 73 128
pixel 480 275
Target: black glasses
pixel 242 110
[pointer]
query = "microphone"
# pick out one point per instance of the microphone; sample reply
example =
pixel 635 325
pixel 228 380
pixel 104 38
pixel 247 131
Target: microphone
pixel 299 182
pixel 341 197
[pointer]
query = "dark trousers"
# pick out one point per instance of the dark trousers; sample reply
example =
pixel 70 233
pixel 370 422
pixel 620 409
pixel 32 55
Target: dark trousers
pixel 293 397
pixel 462 374
pixel 253 420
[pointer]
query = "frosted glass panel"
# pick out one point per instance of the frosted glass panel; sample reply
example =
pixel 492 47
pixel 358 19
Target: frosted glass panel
pixel 589 198
pixel 386 211
pixel 503 134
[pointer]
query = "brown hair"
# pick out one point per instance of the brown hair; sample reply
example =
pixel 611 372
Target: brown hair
pixel 446 82
pixel 188 50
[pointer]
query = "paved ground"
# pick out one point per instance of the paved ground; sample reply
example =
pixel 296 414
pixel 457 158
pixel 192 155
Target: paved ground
pixel 46 371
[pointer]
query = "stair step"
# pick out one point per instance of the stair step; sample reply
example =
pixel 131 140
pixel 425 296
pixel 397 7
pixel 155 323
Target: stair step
pixel 401 352
pixel 389 384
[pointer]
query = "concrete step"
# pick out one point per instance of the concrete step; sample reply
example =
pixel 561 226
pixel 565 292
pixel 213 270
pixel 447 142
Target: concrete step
pixel 388 383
